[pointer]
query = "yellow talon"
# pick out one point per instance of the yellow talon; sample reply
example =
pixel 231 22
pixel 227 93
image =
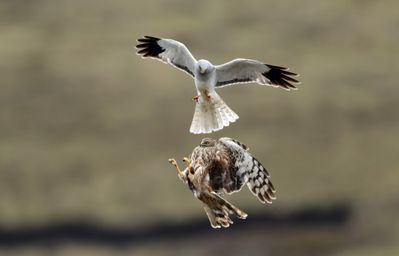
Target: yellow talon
pixel 174 163
pixel 188 163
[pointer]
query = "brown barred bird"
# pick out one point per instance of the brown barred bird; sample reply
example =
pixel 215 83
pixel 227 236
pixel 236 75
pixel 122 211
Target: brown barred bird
pixel 224 166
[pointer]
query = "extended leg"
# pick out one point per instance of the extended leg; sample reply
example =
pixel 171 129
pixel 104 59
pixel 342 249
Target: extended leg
pixel 188 163
pixel 179 172
pixel 205 94
pixel 208 97
pixel 196 98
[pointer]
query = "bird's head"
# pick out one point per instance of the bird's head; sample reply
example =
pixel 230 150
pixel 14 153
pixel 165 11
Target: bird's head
pixel 204 66
pixel 208 142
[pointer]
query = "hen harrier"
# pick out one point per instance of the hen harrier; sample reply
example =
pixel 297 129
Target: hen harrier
pixel 224 165
pixel 211 112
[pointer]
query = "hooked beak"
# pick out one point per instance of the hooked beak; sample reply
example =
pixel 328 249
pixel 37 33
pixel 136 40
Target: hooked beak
pixel 201 70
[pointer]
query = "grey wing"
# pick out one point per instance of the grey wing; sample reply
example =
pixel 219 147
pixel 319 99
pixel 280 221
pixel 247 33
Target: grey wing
pixel 241 71
pixel 168 51
pixel 247 170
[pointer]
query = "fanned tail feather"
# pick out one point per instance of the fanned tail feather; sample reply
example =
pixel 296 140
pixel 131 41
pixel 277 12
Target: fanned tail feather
pixel 213 115
pixel 218 209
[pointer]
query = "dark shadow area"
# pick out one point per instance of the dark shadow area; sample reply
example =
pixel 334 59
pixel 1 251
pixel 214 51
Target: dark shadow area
pixel 86 232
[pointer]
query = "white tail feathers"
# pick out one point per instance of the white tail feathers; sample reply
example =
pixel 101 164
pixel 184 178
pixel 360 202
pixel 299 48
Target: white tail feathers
pixel 212 115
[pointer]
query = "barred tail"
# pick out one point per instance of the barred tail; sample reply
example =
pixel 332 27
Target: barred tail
pixel 213 115
pixel 218 209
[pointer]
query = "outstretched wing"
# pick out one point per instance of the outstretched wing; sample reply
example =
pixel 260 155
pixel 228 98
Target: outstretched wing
pixel 241 71
pixel 168 51
pixel 244 168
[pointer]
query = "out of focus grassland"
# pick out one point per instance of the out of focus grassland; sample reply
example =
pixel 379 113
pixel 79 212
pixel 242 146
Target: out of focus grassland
pixel 86 126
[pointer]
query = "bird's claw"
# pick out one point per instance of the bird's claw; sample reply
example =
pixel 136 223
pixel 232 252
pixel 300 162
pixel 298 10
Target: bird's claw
pixel 174 163
pixel 188 163
pixel 186 160
pixel 196 98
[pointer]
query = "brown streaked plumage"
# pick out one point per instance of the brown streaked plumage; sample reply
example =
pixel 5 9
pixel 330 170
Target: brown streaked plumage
pixel 224 166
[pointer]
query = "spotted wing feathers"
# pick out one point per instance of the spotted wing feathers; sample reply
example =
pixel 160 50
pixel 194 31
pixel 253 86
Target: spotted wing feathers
pixel 247 170
pixel 259 182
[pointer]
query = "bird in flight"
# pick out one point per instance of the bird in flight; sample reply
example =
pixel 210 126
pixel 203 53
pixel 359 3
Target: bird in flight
pixel 211 112
pixel 224 166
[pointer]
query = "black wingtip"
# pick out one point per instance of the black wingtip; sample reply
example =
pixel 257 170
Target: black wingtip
pixel 280 76
pixel 148 46
pixel 152 38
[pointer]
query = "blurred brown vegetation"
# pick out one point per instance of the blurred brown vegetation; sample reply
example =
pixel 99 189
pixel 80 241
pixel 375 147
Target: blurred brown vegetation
pixel 86 126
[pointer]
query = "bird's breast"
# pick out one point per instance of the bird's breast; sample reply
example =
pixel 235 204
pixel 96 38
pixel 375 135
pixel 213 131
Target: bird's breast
pixel 202 85
pixel 205 81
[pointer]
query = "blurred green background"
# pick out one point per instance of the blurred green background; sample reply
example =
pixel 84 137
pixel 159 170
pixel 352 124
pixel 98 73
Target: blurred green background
pixel 87 126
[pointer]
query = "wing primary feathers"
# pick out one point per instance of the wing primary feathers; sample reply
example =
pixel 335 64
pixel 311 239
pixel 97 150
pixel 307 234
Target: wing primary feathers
pixel 248 170
pixel 280 76
pixel 276 67
pixel 149 47
pixel 152 38
pixel 242 71
pixel 259 182
pixel 168 51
